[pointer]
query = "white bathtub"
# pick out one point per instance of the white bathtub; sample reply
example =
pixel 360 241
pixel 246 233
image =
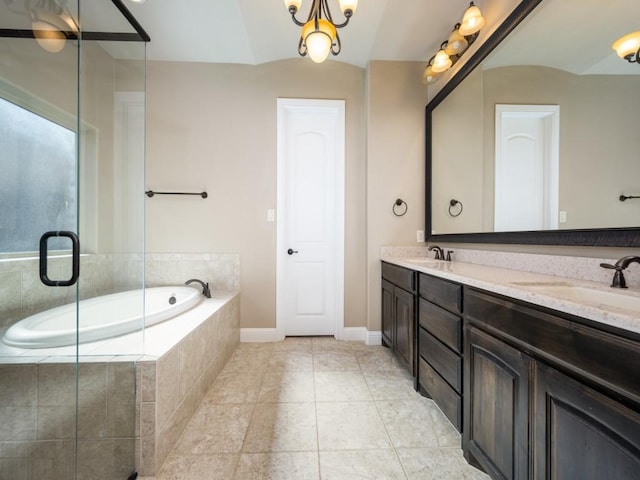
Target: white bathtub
pixel 101 317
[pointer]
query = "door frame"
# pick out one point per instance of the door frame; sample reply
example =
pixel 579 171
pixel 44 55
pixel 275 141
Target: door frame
pixel 281 256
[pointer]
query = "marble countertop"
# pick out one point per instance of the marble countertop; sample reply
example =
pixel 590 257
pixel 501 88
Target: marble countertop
pixel 531 287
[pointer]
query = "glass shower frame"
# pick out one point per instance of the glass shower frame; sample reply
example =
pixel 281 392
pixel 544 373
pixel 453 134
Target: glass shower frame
pixel 69 412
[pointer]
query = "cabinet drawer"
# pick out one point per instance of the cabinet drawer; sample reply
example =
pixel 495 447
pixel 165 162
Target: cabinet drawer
pixel 443 325
pixel 446 294
pixel 402 277
pixel 441 392
pixel 443 360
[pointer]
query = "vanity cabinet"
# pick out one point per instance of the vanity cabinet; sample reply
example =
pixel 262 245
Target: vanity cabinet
pixel 440 344
pixel 548 395
pixel 496 407
pixel 398 312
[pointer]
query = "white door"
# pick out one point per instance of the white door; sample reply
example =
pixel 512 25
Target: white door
pixel 310 240
pixel 526 167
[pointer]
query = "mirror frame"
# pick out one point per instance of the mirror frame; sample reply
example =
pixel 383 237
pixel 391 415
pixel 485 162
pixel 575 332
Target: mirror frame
pixel 611 237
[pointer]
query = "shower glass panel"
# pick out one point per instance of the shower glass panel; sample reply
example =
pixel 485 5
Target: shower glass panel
pixel 72 103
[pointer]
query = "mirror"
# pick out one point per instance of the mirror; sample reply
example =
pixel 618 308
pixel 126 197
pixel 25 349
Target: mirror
pixel 534 140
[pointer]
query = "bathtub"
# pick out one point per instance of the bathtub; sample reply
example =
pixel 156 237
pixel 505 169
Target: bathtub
pixel 101 317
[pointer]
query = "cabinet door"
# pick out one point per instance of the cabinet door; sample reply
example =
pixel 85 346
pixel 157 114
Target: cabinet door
pixel 495 416
pixel 581 433
pixel 387 313
pixel 405 324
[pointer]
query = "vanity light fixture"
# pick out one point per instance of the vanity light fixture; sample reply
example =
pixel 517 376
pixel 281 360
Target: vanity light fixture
pixel 51 21
pixel 319 34
pixel 628 47
pixel 462 36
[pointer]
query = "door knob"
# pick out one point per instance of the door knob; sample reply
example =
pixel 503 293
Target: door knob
pixel 291 251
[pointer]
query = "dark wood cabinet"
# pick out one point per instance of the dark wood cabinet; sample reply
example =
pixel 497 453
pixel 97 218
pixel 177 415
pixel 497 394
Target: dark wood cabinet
pixel 548 395
pixel 581 433
pixel 398 313
pixel 440 345
pixel 387 313
pixel 538 394
pixel 405 326
pixel 496 422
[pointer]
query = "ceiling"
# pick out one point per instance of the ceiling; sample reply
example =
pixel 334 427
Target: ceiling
pixel 260 31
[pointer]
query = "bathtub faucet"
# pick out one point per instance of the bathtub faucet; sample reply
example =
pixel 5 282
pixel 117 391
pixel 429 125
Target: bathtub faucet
pixel 205 286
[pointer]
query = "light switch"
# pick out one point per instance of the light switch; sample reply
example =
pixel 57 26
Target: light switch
pixel 420 236
pixel 271 215
pixel 562 216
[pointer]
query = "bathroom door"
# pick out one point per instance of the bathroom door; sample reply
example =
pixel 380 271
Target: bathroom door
pixel 310 239
pixel 526 167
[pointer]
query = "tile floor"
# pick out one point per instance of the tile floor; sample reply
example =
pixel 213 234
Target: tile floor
pixel 316 408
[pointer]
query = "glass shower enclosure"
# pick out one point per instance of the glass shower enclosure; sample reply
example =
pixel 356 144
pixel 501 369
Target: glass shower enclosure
pixel 72 108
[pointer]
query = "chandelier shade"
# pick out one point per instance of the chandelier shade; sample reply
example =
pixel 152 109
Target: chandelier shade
pixel 628 47
pixel 472 21
pixel 319 34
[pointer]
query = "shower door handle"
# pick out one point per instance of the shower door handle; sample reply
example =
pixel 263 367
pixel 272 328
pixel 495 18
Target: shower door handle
pixel 75 258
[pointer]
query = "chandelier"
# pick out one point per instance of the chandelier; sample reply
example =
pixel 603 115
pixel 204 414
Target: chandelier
pixel 628 47
pixel 319 34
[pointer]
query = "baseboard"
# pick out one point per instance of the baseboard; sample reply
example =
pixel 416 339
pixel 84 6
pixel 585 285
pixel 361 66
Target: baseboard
pixel 352 334
pixel 257 335
pixel 374 338
pixel 360 334
pixel 349 334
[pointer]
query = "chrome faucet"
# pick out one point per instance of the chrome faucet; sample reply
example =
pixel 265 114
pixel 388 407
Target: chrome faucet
pixel 438 250
pixel 620 265
pixel 205 286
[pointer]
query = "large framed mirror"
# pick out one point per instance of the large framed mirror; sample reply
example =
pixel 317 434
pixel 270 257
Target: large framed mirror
pixel 535 139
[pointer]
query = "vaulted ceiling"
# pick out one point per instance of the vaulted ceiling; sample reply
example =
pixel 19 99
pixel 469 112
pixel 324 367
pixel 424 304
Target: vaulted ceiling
pixel 260 31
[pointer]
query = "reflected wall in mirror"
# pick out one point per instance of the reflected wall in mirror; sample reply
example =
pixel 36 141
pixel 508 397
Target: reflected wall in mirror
pixel 537 134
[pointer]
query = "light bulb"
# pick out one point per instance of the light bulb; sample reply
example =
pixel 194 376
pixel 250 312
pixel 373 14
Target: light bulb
pixel 318 42
pixel 456 43
pixel 441 62
pixel 472 21
pixel 429 76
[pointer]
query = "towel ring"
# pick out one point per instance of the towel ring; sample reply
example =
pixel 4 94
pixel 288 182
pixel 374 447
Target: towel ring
pixel 398 211
pixel 453 204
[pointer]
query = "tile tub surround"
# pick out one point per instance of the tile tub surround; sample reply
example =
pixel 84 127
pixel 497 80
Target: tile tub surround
pixel 183 357
pixel 316 408
pixel 170 385
pixel 513 283
pixel 22 294
pixel 38 420
pixel 221 270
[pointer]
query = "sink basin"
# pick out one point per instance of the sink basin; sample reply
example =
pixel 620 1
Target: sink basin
pixel 585 295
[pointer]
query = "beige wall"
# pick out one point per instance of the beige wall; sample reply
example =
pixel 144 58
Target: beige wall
pixel 457 167
pixel 396 103
pixel 213 127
